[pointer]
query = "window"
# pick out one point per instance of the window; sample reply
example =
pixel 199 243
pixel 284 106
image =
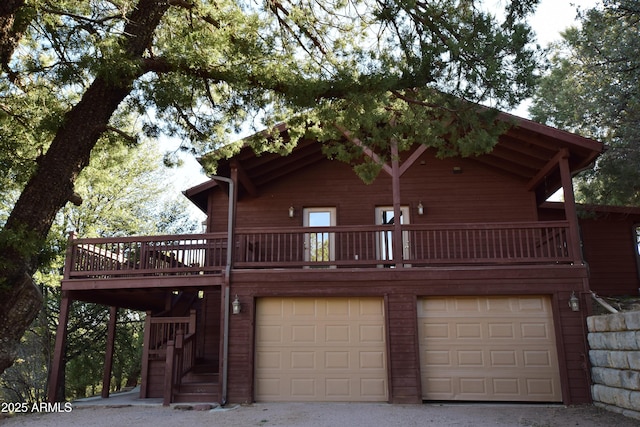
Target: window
pixel 385 216
pixel 319 246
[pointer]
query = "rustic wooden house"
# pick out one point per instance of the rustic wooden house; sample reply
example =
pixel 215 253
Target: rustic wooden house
pixel 444 279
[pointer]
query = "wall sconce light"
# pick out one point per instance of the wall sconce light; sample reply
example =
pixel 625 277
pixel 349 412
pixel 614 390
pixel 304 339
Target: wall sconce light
pixel 235 306
pixel 457 170
pixel 574 302
pixel 292 211
pixel 420 209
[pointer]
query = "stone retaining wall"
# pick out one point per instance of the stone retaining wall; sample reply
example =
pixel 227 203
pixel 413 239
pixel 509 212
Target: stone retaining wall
pixel 614 340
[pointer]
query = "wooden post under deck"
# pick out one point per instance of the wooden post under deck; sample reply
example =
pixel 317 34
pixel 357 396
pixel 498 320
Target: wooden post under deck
pixel 145 356
pixel 108 357
pixel 57 366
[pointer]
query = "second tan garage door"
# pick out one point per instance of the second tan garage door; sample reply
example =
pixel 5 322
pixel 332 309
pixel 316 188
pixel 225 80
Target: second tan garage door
pixel 320 349
pixel 488 349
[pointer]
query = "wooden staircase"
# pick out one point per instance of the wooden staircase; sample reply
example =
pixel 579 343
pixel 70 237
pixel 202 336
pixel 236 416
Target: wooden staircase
pixel 200 384
pixel 172 368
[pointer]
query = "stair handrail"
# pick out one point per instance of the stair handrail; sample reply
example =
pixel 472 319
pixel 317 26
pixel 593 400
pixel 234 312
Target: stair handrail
pixel 161 334
pixel 180 359
pixel 184 357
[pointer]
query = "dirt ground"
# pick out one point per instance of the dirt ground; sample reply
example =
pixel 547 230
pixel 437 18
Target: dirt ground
pixel 327 414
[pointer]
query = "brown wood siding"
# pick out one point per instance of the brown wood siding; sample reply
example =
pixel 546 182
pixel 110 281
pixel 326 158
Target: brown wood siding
pixel 403 342
pixel 573 349
pixel 241 349
pixel 211 318
pixel 478 194
pixel 402 288
pixel 609 248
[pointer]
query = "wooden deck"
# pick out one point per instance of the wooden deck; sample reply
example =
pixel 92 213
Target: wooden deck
pixel 176 256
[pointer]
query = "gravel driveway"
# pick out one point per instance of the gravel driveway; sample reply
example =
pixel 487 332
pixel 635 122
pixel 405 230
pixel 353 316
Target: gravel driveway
pixel 327 414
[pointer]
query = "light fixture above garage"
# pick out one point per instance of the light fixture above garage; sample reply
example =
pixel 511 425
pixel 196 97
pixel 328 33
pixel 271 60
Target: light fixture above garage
pixel 235 306
pixel 574 302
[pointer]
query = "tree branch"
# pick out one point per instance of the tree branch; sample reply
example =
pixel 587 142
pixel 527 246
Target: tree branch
pixel 122 133
pixel 276 6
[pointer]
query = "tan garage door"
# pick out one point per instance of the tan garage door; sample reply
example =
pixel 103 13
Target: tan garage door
pixel 320 349
pixel 488 348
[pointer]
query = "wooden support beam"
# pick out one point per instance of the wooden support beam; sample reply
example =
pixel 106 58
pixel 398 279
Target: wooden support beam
pixel 56 374
pixel 244 179
pixel 575 248
pixel 412 158
pixel 397 212
pixel 145 357
pixel 550 166
pixel 108 356
pixel 368 151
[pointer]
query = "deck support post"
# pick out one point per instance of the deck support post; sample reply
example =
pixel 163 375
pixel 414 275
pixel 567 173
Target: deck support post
pixel 108 355
pixel 145 356
pixel 56 373
pixel 575 251
pixel 397 221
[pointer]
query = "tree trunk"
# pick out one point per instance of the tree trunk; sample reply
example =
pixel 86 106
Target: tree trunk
pixel 20 305
pixel 11 29
pixel 52 185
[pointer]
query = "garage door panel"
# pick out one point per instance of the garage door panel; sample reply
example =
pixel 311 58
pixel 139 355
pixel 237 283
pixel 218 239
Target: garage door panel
pixel 538 358
pixel 328 349
pixel 303 360
pixel 371 334
pixel 374 389
pixel 303 308
pixel 503 358
pixel 535 330
pixel 269 360
pixel 303 334
pixel 337 333
pixel 501 330
pixel 488 348
pixel 337 360
pixel 506 386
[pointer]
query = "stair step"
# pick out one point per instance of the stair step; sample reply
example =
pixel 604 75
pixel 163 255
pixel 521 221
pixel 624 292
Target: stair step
pixel 205 368
pixel 195 397
pixel 206 388
pixel 194 377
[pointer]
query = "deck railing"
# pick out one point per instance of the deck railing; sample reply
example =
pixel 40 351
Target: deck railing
pixel 332 247
pixel 148 255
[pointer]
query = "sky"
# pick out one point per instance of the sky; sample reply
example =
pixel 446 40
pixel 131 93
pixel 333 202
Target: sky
pixel 550 19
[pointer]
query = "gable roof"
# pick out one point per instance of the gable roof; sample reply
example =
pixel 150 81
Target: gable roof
pixel 528 151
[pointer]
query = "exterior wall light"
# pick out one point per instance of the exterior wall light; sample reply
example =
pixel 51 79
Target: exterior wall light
pixel 574 302
pixel 420 209
pixel 292 211
pixel 235 306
